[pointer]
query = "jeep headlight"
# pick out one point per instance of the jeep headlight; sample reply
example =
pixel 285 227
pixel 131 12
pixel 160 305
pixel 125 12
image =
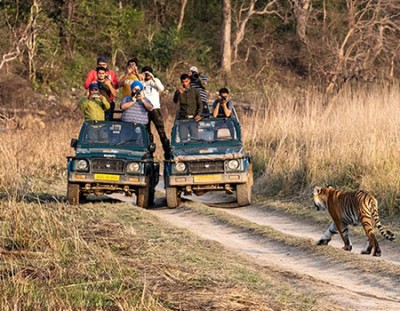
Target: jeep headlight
pixel 180 167
pixel 133 167
pixel 81 165
pixel 233 165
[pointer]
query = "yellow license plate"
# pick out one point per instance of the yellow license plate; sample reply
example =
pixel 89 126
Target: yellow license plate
pixel 107 177
pixel 207 178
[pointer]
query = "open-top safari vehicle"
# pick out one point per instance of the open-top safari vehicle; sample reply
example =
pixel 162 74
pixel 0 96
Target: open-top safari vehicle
pixel 207 156
pixel 112 156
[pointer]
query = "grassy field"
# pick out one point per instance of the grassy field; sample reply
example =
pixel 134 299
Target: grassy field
pixel 350 141
pixel 113 256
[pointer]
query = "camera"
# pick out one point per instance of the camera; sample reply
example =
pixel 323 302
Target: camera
pixel 135 93
pixel 195 75
pixel 221 98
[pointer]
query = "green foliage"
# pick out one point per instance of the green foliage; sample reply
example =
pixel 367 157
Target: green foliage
pixel 161 50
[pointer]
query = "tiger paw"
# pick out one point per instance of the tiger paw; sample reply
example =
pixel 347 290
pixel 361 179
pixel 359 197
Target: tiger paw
pixel 348 248
pixel 323 242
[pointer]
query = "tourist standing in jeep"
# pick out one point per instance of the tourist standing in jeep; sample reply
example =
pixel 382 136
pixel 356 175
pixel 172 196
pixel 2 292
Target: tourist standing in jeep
pixel 223 105
pixel 92 77
pixel 152 87
pixel 94 105
pixel 131 74
pixel 136 106
pixel 190 106
pixel 189 100
pixel 199 81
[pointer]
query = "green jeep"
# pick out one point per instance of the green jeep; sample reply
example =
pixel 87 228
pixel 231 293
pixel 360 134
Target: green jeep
pixel 111 157
pixel 207 156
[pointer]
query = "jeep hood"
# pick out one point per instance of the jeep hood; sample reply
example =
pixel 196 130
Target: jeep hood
pixel 110 153
pixel 208 152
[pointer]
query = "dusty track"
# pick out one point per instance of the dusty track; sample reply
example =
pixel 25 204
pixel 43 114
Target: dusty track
pixel 345 289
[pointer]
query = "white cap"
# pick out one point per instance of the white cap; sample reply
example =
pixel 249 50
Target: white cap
pixel 193 68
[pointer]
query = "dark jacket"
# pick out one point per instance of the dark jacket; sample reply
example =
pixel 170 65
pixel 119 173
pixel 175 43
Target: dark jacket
pixel 189 103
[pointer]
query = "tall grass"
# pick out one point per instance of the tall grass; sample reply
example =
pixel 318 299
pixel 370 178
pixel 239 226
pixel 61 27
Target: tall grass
pixel 33 156
pixel 351 141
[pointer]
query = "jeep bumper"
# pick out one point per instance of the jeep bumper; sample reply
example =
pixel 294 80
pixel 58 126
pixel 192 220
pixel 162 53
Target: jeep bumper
pixel 208 179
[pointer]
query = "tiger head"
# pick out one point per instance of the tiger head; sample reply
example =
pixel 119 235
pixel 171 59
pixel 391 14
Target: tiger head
pixel 321 197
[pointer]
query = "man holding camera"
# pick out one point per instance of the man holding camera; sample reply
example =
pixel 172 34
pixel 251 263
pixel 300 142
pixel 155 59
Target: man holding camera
pixel 94 105
pixel 136 106
pixel 131 74
pixel 92 75
pixel 222 106
pixel 106 89
pixel 152 87
pixel 199 81
pixel 190 107
pixel 189 100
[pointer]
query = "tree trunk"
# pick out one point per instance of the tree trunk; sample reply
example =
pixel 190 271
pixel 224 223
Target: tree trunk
pixel 226 57
pixel 182 15
pixel 301 11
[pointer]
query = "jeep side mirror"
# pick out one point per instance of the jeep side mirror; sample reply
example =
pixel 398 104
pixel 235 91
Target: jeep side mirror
pixel 74 143
pixel 152 147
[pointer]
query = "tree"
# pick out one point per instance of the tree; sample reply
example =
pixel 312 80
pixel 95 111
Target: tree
pixel 226 57
pixel 301 10
pixel 182 15
pixel 25 40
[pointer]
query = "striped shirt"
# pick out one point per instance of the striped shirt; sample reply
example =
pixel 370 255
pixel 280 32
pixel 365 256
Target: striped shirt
pixel 200 85
pixel 137 113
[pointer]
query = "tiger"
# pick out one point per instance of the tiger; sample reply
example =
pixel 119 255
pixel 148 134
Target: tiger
pixel 349 208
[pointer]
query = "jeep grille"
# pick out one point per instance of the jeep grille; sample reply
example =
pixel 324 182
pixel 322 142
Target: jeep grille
pixel 107 166
pixel 206 167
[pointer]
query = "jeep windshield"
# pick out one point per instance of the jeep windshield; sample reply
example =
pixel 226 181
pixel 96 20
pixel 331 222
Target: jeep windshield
pixel 112 134
pixel 207 130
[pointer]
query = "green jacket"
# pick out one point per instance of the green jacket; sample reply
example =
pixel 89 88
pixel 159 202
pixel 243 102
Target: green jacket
pixel 94 108
pixel 189 103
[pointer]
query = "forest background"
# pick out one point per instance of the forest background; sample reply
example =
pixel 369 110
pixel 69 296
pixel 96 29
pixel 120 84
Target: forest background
pixel 315 82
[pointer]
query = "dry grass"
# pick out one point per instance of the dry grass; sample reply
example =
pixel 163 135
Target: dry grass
pixel 112 256
pixel 351 141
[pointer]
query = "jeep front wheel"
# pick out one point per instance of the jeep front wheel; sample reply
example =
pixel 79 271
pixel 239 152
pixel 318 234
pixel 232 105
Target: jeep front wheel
pixel 143 197
pixel 173 197
pixel 73 194
pixel 243 194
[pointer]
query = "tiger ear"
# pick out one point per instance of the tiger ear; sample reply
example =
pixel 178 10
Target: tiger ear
pixel 317 190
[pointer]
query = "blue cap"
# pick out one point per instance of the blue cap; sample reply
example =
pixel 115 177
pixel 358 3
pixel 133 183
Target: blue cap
pixel 136 84
pixel 93 85
pixel 102 59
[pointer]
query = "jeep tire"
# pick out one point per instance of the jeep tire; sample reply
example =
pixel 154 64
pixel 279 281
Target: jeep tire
pixel 173 197
pixel 243 194
pixel 143 197
pixel 73 194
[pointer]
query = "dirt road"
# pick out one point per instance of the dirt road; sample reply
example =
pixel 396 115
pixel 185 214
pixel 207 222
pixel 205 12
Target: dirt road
pixel 347 289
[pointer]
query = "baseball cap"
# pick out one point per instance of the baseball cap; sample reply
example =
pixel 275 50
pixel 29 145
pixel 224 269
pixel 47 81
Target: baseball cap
pixel 102 59
pixel 136 84
pixel 93 85
pixel 193 68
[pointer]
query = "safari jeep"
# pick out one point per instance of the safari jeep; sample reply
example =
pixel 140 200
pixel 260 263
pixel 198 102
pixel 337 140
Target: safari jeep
pixel 111 157
pixel 207 156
